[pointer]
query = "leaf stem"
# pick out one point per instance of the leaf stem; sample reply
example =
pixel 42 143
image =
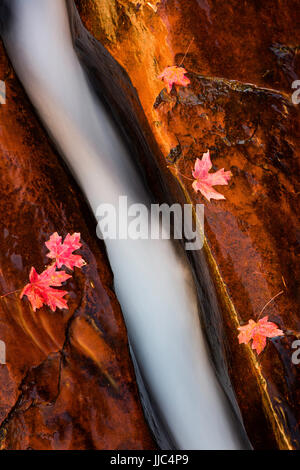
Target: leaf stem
pixel 191 179
pixel 186 52
pixel 9 293
pixel 277 295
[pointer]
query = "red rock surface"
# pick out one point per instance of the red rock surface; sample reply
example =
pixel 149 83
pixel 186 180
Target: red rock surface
pixel 251 250
pixel 68 381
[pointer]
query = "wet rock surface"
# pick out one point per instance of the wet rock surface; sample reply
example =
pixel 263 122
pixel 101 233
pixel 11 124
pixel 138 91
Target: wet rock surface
pixel 241 58
pixel 68 381
pixel 253 234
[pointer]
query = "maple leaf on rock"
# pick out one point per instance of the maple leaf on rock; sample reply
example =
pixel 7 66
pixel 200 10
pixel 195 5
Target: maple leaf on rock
pixel 204 181
pixel 40 289
pixel 62 253
pixel 55 299
pixel 258 332
pixel 174 76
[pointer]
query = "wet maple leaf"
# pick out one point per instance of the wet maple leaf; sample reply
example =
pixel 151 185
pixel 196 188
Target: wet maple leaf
pixel 258 332
pixel 174 76
pixel 62 253
pixel 204 181
pixel 40 289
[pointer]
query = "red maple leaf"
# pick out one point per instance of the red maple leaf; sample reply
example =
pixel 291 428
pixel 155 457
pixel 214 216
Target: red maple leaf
pixel 40 292
pixel 204 181
pixel 258 332
pixel 174 75
pixel 62 253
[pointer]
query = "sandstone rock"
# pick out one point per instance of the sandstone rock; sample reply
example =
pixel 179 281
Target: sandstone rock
pixel 252 238
pixel 68 381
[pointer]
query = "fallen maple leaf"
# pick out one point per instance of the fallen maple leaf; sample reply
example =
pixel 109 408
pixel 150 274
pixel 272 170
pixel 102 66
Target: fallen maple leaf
pixel 62 253
pixel 40 292
pixel 40 289
pixel 204 181
pixel 174 75
pixel 258 332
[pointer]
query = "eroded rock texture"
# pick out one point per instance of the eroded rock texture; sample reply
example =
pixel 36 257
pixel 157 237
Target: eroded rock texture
pixel 251 250
pixel 68 382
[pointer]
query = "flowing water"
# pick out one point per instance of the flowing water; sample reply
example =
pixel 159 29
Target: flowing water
pixel 153 281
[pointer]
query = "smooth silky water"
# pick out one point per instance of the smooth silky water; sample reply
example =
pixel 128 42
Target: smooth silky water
pixel 153 282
